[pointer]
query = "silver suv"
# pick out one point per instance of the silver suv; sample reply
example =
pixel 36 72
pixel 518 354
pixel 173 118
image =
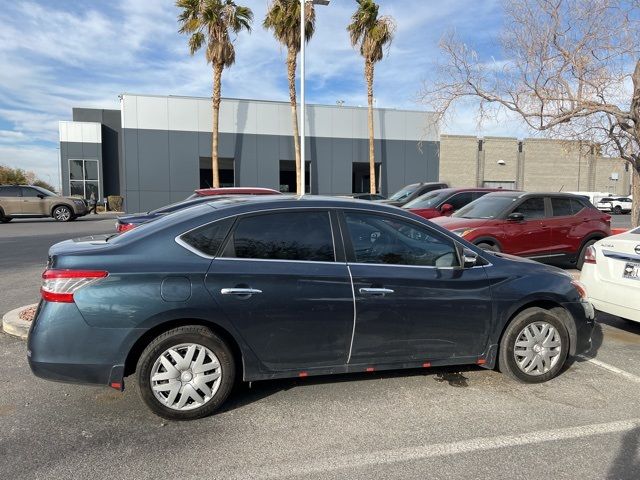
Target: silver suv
pixel 30 201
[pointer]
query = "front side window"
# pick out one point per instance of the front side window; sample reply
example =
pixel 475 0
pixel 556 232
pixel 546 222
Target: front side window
pixel 386 240
pixel 532 208
pixel 302 236
pixel 488 206
pixel 29 192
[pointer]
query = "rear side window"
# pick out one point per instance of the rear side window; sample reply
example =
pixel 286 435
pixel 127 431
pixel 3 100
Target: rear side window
pixel 531 208
pixel 576 205
pixel 9 191
pixel 299 236
pixel 209 238
pixel 460 200
pixel 562 207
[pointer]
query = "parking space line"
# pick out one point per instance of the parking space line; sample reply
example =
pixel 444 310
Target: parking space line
pixel 611 368
pixel 423 452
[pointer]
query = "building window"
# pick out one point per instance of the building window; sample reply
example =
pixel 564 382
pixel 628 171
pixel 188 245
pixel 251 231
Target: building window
pixel 226 172
pixel 84 178
pixel 360 175
pixel 288 176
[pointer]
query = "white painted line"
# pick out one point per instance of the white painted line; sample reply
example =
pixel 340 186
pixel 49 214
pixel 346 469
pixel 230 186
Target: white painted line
pixel 350 462
pixel 611 368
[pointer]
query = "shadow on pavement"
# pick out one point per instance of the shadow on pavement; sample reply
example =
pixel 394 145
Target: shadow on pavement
pixel 626 466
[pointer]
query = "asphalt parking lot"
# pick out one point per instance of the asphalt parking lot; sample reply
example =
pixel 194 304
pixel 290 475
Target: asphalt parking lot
pixel 437 423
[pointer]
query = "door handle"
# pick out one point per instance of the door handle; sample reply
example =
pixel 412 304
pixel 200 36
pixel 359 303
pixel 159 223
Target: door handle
pixel 375 291
pixel 240 291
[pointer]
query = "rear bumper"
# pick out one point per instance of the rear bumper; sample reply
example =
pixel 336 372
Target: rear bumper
pixel 617 310
pixel 63 347
pixel 583 315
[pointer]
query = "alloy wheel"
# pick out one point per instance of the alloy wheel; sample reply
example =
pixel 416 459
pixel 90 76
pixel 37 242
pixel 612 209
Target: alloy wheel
pixel 186 376
pixel 62 214
pixel 537 348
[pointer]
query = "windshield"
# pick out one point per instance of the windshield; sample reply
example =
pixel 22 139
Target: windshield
pixel 428 200
pixel 44 191
pixel 485 207
pixel 403 193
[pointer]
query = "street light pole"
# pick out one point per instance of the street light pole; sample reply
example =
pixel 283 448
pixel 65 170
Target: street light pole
pixel 303 163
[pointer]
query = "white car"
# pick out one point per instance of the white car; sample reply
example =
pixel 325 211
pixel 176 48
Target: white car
pixel 615 205
pixel 611 275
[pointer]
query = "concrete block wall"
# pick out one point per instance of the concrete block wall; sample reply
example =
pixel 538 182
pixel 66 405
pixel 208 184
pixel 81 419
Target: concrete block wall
pixel 500 148
pixel 458 160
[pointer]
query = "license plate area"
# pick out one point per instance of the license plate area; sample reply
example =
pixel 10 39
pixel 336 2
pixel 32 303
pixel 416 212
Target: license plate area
pixel 631 271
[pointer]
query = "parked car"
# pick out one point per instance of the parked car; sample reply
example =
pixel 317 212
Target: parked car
pixel 368 196
pixel 611 274
pixel 29 201
pixel 549 227
pixel 257 289
pixel 445 201
pixel 131 221
pixel 408 193
pixel 203 192
pixel 615 205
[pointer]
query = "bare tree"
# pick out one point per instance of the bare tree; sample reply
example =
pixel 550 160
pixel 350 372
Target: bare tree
pixel 571 68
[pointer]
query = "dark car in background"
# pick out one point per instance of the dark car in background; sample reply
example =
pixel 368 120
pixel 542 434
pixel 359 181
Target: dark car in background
pixel 368 196
pixel 445 201
pixel 256 289
pixel 549 227
pixel 409 192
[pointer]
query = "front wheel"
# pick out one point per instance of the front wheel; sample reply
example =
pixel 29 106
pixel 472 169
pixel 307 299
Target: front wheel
pixel 62 213
pixel 186 373
pixel 534 346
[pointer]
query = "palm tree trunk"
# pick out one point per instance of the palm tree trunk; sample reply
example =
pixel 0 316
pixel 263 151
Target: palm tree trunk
pixel 217 77
pixel 635 191
pixel 368 73
pixel 291 72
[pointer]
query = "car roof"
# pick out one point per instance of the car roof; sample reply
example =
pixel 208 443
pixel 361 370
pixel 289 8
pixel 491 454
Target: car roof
pixel 519 194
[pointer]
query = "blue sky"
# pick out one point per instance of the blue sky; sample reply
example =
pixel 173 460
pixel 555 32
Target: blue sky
pixel 59 54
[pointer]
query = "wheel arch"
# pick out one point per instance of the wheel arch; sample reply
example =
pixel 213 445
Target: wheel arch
pixel 147 337
pixel 487 239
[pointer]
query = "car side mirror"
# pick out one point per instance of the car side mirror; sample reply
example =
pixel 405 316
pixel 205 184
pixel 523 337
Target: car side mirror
pixel 446 208
pixel 515 217
pixel 469 258
pixel 40 196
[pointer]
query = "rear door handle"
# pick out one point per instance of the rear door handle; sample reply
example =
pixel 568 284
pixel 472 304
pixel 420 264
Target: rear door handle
pixel 240 291
pixel 375 291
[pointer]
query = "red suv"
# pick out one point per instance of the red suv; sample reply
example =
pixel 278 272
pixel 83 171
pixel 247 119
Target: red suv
pixel 205 192
pixel 445 201
pixel 549 227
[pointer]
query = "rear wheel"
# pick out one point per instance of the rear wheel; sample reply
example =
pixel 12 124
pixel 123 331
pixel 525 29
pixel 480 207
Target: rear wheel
pixel 534 346
pixel 62 213
pixel 488 246
pixel 583 252
pixel 186 373
pixel 617 210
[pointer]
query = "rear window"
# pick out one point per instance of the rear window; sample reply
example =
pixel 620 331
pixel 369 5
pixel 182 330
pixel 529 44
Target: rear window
pixel 302 236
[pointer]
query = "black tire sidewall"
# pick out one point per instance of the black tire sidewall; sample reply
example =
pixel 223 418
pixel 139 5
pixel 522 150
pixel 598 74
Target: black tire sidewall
pixel 487 247
pixel 190 334
pixel 583 252
pixel 506 359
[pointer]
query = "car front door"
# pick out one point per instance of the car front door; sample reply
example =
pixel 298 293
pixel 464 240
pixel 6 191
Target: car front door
pixel 414 303
pixel 279 282
pixel 531 236
pixel 33 202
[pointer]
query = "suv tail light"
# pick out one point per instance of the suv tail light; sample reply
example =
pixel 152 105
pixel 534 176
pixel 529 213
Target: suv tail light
pixel 124 227
pixel 60 285
pixel 590 255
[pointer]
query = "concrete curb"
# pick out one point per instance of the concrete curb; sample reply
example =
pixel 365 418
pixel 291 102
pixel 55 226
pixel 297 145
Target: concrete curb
pixel 12 325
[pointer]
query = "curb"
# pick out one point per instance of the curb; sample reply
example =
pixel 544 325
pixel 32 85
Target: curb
pixel 12 325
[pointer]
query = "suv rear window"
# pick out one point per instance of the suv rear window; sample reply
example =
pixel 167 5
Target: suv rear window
pixel 298 236
pixel 564 207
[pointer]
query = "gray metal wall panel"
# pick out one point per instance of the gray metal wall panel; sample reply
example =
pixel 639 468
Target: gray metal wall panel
pixel 268 164
pixel 153 199
pixel 153 160
pixel 341 165
pixel 64 167
pixel 184 161
pixel 132 201
pixel 130 150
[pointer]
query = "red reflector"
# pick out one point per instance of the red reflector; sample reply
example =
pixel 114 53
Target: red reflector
pixel 481 361
pixel 370 369
pixel 116 385
pixel 56 297
pixel 303 374
pixel 60 285
pixel 426 365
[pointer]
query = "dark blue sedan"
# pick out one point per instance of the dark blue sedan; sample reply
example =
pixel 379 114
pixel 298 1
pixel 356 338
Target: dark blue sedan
pixel 261 288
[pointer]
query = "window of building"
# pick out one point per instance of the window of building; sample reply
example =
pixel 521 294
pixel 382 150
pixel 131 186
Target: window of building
pixel 283 236
pixel 209 238
pixel 499 184
pixel 84 178
pixel 288 182
pixel 532 208
pixel 386 240
pixel 360 177
pixel 226 172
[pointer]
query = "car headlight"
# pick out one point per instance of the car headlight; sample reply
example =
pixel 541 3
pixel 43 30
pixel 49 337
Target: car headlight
pixel 463 231
pixel 79 202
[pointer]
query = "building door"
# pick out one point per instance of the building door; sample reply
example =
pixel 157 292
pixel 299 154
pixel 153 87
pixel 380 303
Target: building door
pixel 226 172
pixel 84 178
pixel 360 177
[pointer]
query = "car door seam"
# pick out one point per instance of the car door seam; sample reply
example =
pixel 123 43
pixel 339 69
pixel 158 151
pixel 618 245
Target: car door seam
pixel 353 331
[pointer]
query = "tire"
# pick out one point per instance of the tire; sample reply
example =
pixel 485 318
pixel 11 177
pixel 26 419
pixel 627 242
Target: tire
pixel 583 252
pixel 183 402
pixel 617 210
pixel 542 367
pixel 62 213
pixel 488 246
pixel 5 219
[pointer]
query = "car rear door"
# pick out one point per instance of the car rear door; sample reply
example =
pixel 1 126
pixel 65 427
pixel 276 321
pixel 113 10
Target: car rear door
pixel 413 302
pixel 532 236
pixel 563 223
pixel 10 200
pixel 285 286
pixel 32 204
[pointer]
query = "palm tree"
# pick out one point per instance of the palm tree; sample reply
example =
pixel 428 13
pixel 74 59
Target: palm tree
pixel 372 34
pixel 283 17
pixel 211 24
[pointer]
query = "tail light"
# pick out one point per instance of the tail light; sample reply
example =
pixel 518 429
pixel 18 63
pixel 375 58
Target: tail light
pixel 60 285
pixel 590 255
pixel 124 227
